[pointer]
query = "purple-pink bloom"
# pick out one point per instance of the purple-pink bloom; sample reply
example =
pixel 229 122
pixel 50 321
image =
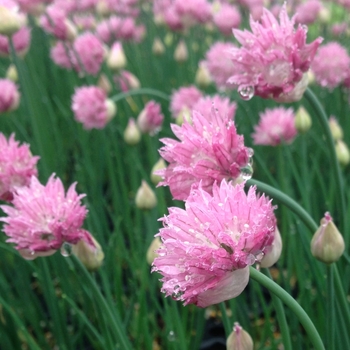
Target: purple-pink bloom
pixel 89 104
pixel 276 125
pixel 88 53
pixel 184 99
pixel 222 104
pixel 331 65
pixel 21 42
pixel 207 247
pixel 17 166
pixel 307 12
pixel 219 64
pixel 209 149
pixel 43 218
pixel 227 18
pixel 126 81
pixel 55 22
pixel 9 96
pixel 273 57
pixel 151 118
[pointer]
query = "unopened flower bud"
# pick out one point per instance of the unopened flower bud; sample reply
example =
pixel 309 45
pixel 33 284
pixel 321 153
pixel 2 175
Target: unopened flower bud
pixel 111 109
pixel 12 73
pixel 239 339
pixel 104 84
pixel 273 252
pixel 145 198
pixel 132 134
pixel 302 120
pixel 336 130
pixel 158 48
pixel 158 166
pixel 127 81
pixel 202 78
pixel 327 244
pixel 184 115
pixel 151 252
pixel 342 152
pixel 116 58
pixel 324 15
pixel 181 52
pixel 90 256
pixel 10 20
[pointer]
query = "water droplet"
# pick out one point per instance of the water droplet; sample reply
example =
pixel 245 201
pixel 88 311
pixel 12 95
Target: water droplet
pixel 246 92
pixel 66 249
pixel 250 152
pixel 247 172
pixel 171 336
pixel 250 259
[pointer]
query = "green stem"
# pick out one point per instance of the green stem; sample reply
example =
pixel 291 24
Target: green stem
pixel 302 316
pixel 287 201
pixel 142 91
pixel 335 166
pixel 330 308
pixel 343 302
pixel 225 319
pixel 115 324
pixel 281 317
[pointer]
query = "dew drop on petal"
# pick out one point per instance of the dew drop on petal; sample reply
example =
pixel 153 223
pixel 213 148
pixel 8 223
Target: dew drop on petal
pixel 250 259
pixel 246 172
pixel 66 249
pixel 246 92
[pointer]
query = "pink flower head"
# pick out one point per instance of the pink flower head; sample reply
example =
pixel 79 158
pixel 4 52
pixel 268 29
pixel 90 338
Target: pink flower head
pixel 219 64
pixel 89 104
pixel 226 18
pixel 17 166
pixel 275 126
pixel 184 98
pixel 43 218
pixel 89 53
pixel 21 42
pixel 273 58
pixel 192 11
pixel 151 118
pixel 307 12
pixel 126 81
pixel 209 150
pixel 208 246
pixel 9 96
pixel 61 53
pixel 55 22
pixel 117 28
pixel 221 104
pixel 331 65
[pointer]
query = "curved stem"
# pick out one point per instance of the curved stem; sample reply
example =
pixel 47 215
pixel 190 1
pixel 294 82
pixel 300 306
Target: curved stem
pixel 287 299
pixel 115 324
pixel 142 91
pixel 322 117
pixel 281 317
pixel 339 289
pixel 287 201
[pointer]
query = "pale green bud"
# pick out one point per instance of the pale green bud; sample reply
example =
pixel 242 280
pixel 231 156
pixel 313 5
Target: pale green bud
pixel 239 339
pixel 158 166
pixel 302 120
pixel 145 198
pixel 327 244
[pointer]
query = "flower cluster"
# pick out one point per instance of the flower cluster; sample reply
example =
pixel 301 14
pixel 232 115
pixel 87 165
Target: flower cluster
pixel 43 218
pixel 208 246
pixel 209 150
pixel 17 166
pixel 273 58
